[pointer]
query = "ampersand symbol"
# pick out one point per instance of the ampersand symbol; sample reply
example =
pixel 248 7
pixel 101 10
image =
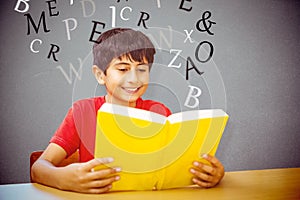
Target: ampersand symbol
pixel 207 24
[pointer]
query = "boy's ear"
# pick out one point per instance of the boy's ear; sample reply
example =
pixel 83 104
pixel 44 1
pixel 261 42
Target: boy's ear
pixel 99 74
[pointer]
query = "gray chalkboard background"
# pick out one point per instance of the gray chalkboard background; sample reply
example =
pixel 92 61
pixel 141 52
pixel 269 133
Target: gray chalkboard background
pixel 253 73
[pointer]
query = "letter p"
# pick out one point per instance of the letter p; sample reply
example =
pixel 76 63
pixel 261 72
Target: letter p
pixel 68 29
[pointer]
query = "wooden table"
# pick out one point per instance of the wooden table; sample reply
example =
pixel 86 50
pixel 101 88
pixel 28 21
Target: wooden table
pixel 255 184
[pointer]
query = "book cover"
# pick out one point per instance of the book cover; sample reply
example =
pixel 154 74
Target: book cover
pixel 155 151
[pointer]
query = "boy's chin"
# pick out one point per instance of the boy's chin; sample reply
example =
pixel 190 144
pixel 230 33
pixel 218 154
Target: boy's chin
pixel 130 101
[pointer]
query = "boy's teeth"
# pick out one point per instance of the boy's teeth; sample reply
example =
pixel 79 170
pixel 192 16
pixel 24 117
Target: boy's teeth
pixel 131 89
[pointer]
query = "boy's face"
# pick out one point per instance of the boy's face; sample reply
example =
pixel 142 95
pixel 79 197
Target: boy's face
pixel 126 80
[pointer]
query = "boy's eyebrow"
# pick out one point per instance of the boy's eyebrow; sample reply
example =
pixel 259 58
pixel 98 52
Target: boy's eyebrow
pixel 143 63
pixel 126 63
pixel 122 63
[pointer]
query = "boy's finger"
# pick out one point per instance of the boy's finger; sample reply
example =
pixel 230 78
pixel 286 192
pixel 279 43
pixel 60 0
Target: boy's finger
pixel 103 182
pixel 96 162
pixel 99 190
pixel 213 160
pixel 100 174
pixel 205 168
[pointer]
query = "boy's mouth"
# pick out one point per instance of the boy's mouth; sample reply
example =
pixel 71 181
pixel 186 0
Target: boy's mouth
pixel 131 90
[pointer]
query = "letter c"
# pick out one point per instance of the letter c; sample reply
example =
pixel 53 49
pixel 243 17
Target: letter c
pixel 32 43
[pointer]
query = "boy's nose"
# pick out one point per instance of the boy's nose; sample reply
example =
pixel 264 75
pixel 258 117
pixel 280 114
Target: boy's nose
pixel 132 76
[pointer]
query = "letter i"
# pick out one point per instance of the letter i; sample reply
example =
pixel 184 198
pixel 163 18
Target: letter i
pixel 113 16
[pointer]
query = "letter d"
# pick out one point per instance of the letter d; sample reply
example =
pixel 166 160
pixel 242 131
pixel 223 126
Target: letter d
pixel 25 9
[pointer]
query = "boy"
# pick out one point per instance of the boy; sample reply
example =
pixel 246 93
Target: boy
pixel 122 61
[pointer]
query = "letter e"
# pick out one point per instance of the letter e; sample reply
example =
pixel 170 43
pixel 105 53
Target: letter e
pixel 51 8
pixel 94 30
pixel 186 9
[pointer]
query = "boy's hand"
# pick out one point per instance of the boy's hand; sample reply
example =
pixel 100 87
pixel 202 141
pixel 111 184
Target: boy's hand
pixel 81 177
pixel 207 176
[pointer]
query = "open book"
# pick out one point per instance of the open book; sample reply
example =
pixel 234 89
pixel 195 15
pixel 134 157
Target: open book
pixel 155 151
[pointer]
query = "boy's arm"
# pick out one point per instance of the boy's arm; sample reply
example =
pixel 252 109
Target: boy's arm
pixel 78 177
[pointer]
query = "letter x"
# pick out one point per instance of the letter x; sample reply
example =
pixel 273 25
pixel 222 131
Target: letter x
pixel 188 36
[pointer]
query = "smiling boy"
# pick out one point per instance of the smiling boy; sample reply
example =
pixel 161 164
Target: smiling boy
pixel 125 80
pixel 122 62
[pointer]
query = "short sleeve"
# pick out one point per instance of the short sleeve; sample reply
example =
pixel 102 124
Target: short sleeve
pixel 66 135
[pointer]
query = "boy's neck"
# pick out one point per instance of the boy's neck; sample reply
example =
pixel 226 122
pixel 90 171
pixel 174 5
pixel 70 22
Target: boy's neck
pixel 111 100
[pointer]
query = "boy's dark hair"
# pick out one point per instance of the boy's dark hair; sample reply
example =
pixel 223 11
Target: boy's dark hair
pixel 119 42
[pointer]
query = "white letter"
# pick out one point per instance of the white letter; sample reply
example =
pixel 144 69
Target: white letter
pixel 18 5
pixel 188 36
pixel 113 16
pixel 121 13
pixel 78 73
pixel 193 96
pixel 178 51
pixel 165 39
pixel 84 10
pixel 158 3
pixel 31 45
pixel 162 37
pixel 68 28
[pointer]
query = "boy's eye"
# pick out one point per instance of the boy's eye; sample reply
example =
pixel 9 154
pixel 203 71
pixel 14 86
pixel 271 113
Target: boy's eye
pixel 122 69
pixel 142 70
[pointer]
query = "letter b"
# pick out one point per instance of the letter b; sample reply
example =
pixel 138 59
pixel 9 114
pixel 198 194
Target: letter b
pixel 193 96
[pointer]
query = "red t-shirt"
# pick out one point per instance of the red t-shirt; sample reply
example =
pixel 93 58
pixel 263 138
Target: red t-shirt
pixel 78 129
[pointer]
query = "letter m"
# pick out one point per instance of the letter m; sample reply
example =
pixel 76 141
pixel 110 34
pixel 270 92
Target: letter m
pixel 36 28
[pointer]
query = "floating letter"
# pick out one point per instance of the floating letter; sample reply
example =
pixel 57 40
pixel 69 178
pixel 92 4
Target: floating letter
pixel 31 45
pixel 192 95
pixel 121 13
pixel 186 9
pixel 77 73
pixel 26 8
pixel 178 51
pixel 68 28
pixel 54 49
pixel 36 28
pixel 94 30
pixel 84 8
pixel 51 8
pixel 211 51
pixel 193 67
pixel 142 19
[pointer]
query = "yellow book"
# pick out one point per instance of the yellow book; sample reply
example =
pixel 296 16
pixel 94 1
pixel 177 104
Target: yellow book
pixel 154 151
